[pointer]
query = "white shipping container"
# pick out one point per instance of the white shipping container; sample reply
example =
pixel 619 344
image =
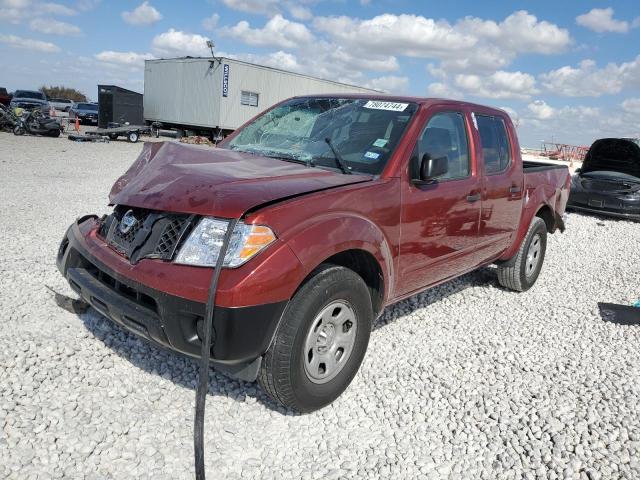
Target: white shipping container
pixel 222 93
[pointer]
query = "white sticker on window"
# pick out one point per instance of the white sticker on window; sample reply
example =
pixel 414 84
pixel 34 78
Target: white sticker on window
pixel 381 142
pixel 393 106
pixel 475 122
pixel 372 155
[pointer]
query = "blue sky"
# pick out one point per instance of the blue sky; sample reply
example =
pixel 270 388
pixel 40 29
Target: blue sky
pixel 564 70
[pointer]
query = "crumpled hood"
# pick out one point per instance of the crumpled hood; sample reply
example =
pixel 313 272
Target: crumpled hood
pixel 169 176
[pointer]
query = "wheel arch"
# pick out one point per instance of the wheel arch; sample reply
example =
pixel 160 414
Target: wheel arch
pixel 365 265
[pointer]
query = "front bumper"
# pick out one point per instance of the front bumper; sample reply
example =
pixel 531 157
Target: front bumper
pixel 241 335
pixel 611 205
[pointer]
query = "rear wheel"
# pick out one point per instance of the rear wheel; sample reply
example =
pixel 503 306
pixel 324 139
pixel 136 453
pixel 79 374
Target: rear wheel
pixel 113 136
pixel 521 272
pixel 133 137
pixel 320 342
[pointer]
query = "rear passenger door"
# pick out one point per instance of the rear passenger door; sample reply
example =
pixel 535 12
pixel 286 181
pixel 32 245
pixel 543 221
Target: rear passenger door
pixel 440 219
pixel 502 183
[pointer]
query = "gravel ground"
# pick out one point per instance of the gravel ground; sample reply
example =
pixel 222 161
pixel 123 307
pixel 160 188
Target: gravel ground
pixel 464 381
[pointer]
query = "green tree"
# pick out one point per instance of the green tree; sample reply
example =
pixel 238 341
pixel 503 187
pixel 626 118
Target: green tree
pixel 64 92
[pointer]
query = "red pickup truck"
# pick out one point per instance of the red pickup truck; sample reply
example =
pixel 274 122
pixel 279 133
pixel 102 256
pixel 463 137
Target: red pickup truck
pixel 340 206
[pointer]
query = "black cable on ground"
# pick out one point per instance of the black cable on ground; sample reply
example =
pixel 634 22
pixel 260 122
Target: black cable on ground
pixel 205 352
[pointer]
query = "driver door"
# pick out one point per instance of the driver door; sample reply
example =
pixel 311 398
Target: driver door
pixel 440 220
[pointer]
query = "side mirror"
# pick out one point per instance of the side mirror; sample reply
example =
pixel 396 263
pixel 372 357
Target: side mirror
pixel 431 168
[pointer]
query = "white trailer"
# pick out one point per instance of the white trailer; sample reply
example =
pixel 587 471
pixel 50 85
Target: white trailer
pixel 215 96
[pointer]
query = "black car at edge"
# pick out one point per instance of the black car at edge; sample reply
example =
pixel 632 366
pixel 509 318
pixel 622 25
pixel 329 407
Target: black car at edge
pixel 609 181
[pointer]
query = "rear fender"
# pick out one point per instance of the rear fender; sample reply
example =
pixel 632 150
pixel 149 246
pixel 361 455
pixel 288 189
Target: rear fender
pixel 535 199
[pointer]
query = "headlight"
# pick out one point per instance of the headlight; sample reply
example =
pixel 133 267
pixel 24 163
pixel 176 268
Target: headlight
pixel 202 247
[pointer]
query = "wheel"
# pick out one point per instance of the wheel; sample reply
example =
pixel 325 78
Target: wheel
pixel 18 130
pixel 521 272
pixel 113 136
pixel 54 133
pixel 133 137
pixel 320 342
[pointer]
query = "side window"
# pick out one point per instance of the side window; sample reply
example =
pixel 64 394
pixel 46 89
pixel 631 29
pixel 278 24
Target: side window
pixel 249 98
pixel 496 150
pixel 446 136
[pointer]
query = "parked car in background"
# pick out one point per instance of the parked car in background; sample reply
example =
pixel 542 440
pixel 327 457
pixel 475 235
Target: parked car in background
pixel 29 99
pixel 608 183
pixel 5 98
pixel 332 207
pixel 87 113
pixel 61 104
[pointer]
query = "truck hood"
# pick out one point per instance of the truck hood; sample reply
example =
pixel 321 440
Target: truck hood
pixel 172 177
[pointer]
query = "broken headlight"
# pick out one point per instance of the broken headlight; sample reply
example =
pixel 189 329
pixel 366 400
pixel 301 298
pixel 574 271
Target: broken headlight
pixel 202 247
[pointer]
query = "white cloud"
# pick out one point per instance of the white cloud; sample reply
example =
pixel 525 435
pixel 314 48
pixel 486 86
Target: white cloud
pixel 297 8
pixel 442 90
pixel 53 27
pixel 143 14
pixel 56 9
pixel 471 44
pixel 300 12
pixel 601 20
pixel 389 84
pixel 210 23
pixel 631 105
pixel 29 44
pixel 541 110
pixel 588 80
pixel 86 5
pixel 277 32
pixel 129 59
pixel 408 35
pixel 500 84
pixel 178 43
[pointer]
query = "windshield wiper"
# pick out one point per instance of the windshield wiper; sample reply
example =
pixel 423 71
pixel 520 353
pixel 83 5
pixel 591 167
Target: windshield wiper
pixel 339 160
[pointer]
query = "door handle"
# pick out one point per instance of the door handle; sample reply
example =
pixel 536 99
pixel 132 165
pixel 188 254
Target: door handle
pixel 473 198
pixel 515 189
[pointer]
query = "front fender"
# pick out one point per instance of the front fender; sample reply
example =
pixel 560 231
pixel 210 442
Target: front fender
pixel 324 236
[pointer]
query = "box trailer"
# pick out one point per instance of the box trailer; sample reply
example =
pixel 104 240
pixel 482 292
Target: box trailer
pixel 214 96
pixel 118 105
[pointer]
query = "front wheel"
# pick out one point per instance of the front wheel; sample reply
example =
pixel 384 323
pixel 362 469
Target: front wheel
pixel 521 272
pixel 18 130
pixel 320 342
pixel 133 137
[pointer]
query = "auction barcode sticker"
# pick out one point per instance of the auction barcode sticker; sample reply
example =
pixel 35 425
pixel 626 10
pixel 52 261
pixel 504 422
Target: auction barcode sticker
pixel 377 105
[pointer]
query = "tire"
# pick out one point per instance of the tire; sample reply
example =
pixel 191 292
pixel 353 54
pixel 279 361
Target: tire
pixel 19 130
pixel 133 137
pixel 291 372
pixel 113 136
pixel 54 133
pixel 521 272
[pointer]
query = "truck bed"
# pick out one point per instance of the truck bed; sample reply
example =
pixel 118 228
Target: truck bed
pixel 531 166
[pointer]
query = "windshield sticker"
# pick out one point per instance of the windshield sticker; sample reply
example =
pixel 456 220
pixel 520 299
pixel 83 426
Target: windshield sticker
pixel 393 106
pixel 372 155
pixel 381 142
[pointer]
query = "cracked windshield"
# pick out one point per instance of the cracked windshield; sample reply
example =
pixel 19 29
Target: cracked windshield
pixel 350 135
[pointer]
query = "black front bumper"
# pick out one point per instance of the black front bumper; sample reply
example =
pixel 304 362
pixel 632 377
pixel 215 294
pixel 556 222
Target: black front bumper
pixel 241 335
pixel 611 205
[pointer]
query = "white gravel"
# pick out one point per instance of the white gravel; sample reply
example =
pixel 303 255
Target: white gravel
pixel 464 381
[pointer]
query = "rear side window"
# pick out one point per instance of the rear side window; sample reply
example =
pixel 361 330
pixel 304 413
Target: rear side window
pixel 446 136
pixel 496 150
